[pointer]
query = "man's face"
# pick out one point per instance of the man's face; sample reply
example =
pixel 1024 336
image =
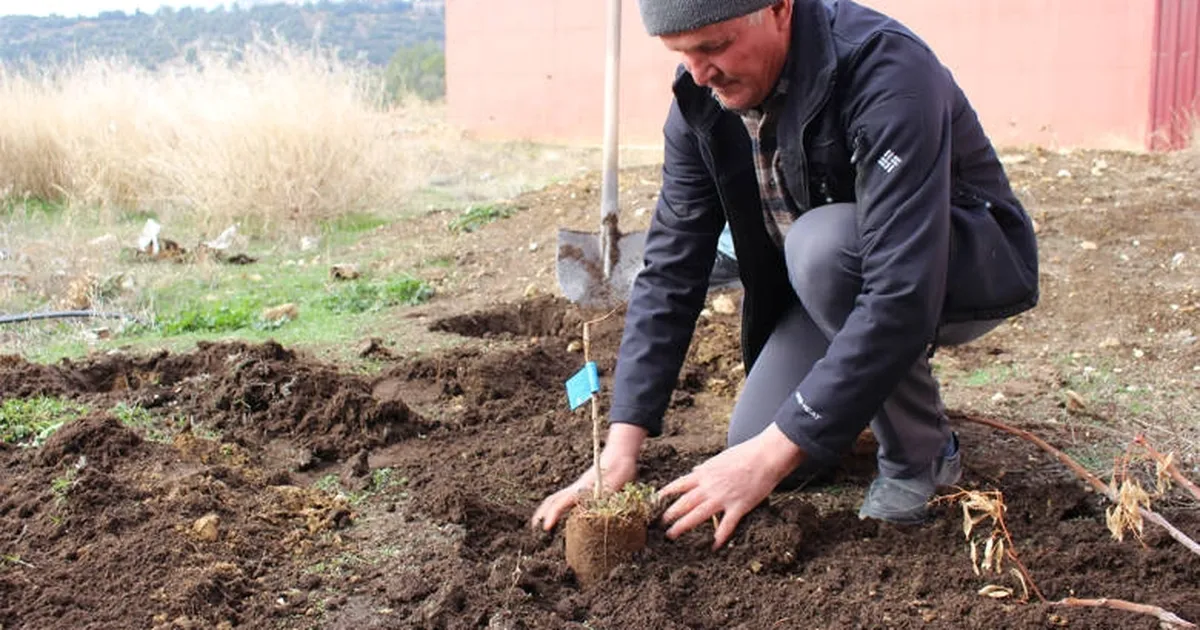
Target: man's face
pixel 739 59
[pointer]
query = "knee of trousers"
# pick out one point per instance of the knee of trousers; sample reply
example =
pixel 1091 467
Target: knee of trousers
pixel 821 249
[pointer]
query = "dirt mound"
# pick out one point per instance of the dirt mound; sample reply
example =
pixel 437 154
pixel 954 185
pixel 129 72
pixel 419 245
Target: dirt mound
pixel 98 438
pixel 252 394
pixel 538 317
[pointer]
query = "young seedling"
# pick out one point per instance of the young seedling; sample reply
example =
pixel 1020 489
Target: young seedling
pixel 605 529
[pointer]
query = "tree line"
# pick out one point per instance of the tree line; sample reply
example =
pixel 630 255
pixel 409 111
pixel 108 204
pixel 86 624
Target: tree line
pixel 396 36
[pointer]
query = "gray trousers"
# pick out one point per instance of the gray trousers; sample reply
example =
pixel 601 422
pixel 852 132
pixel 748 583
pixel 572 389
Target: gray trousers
pixel 821 250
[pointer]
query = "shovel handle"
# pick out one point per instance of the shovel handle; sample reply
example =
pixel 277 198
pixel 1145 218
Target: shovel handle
pixel 612 69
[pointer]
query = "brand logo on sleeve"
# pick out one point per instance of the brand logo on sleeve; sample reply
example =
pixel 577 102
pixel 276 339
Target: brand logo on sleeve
pixel 889 161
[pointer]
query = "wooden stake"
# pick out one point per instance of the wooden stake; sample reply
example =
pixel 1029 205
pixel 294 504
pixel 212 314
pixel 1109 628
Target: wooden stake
pixel 599 486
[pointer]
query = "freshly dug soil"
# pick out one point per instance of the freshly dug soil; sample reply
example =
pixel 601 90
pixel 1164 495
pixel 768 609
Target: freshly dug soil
pixel 273 490
pixel 402 499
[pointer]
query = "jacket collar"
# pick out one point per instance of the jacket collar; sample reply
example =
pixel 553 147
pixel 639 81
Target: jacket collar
pixel 811 63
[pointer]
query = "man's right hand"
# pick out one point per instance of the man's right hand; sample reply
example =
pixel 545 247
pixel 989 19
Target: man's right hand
pixel 619 462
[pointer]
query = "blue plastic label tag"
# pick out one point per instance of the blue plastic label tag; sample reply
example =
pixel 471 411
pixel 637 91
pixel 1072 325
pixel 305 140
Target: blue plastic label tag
pixel 582 385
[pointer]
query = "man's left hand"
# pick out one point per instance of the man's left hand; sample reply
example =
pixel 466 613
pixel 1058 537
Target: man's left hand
pixel 731 484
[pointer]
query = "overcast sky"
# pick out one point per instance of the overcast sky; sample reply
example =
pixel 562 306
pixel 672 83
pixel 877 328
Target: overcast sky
pixel 72 8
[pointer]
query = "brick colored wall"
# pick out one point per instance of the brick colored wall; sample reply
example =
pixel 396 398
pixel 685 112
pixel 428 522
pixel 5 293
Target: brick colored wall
pixel 1056 73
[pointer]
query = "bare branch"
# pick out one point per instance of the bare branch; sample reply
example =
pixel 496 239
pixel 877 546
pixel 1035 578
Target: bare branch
pixel 1165 616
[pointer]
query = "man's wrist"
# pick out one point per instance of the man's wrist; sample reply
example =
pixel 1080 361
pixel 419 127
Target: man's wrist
pixel 785 455
pixel 624 440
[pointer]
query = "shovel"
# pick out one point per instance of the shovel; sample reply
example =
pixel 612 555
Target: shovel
pixel 597 270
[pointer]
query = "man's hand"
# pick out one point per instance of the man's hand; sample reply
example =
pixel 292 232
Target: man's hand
pixel 731 483
pixel 619 462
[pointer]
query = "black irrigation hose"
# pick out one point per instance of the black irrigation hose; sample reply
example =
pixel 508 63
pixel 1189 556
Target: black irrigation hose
pixel 29 317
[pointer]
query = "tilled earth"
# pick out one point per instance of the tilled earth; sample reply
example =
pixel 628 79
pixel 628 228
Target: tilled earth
pixel 269 489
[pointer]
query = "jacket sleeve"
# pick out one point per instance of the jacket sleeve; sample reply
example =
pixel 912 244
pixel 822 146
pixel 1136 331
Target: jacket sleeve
pixel 897 112
pixel 669 292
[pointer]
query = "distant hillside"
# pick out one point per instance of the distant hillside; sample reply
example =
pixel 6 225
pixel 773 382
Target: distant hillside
pixel 359 29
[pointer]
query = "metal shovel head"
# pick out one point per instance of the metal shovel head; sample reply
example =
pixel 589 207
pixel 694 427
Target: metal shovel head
pixel 580 267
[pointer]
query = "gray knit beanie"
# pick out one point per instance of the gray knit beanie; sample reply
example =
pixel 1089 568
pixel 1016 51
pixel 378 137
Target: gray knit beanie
pixel 663 17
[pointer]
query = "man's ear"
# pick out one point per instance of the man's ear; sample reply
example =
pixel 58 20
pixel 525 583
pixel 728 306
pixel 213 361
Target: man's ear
pixel 781 12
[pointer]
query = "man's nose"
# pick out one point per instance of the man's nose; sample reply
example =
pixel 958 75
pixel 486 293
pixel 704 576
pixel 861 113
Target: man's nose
pixel 701 70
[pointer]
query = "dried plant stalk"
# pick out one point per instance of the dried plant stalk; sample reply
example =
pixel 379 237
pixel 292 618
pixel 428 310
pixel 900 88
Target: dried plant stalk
pixel 981 506
pixel 1167 465
pixel 1092 480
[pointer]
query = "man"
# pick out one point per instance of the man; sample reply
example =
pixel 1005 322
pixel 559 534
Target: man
pixel 872 222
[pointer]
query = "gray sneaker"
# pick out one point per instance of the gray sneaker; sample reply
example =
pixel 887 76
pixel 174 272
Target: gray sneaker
pixel 905 501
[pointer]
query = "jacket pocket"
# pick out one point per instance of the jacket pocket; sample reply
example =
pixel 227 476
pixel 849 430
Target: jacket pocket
pixel 993 260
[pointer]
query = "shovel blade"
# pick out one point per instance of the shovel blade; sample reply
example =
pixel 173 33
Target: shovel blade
pixel 580 267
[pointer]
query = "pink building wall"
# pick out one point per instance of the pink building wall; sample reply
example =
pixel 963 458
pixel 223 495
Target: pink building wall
pixel 1055 73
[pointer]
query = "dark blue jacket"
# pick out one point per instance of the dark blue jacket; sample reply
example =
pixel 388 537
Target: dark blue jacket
pixel 944 238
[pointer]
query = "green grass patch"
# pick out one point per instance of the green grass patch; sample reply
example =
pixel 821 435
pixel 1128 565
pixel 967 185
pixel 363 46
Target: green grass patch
pixel 202 317
pixel 141 420
pixel 382 480
pixel 61 485
pixel 353 223
pixel 237 303
pixel 184 304
pixel 31 421
pixel 361 296
pixel 990 375
pixel 475 217
pixel 439 262
pixel 30 207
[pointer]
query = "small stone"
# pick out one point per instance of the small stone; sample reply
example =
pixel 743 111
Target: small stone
pixel 533 247
pixel 283 311
pixel 206 528
pixel 344 271
pixel 1064 174
pixel 1088 245
pixel 1138 353
pixel 575 346
pixel 1075 402
pixel 724 305
pixel 1110 342
pixel 998 397
pixel 1177 260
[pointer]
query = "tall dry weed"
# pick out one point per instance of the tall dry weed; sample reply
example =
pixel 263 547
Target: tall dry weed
pixel 279 137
